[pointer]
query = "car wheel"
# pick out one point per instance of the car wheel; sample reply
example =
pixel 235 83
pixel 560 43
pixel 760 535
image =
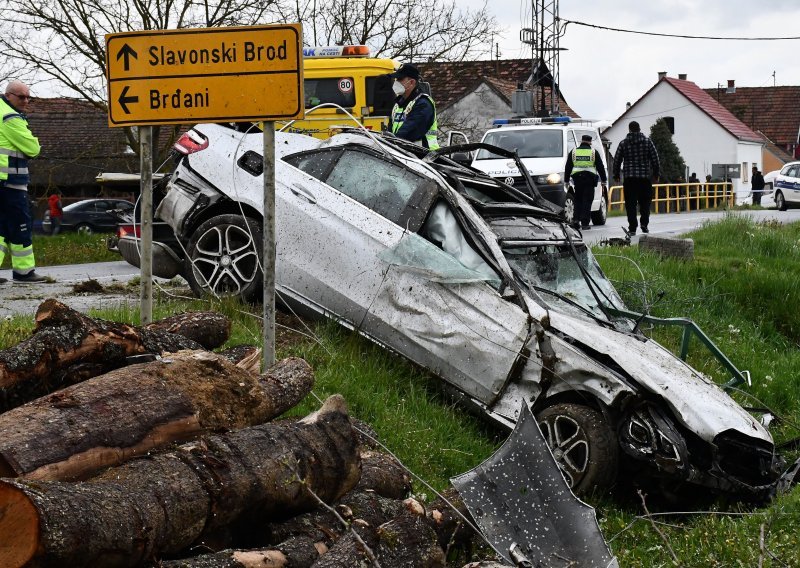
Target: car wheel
pixel 583 445
pixel 569 208
pixel 84 229
pixel 599 217
pixel 225 258
pixel 780 201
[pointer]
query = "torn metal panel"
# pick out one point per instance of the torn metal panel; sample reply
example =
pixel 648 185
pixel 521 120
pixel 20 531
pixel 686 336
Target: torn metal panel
pixel 697 401
pixel 521 502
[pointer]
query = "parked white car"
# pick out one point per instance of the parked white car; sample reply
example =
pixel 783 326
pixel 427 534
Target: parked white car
pixel 787 186
pixel 484 285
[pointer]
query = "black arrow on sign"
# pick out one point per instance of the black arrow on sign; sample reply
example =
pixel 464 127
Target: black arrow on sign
pixel 127 52
pixel 123 99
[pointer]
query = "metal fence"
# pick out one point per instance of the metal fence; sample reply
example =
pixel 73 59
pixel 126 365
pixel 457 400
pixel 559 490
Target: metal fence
pixel 675 197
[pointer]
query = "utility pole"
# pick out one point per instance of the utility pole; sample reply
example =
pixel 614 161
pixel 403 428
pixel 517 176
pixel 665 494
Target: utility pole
pixel 544 37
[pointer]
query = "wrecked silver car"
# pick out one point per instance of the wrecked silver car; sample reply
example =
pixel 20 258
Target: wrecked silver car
pixel 483 285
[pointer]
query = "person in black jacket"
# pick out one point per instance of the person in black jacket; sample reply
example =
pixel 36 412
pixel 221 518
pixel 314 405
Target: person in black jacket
pixel 414 114
pixel 757 186
pixel 641 167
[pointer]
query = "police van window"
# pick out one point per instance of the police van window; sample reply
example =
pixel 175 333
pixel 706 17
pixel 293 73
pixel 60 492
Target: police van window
pixel 571 144
pixel 539 143
pixel 340 91
pixel 380 96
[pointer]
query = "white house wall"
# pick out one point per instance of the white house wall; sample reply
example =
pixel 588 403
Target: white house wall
pixel 700 139
pixel 474 113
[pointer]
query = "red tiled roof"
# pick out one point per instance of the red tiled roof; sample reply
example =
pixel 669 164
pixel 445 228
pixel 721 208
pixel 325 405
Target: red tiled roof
pixel 77 143
pixel 712 108
pixel 452 80
pixel 775 111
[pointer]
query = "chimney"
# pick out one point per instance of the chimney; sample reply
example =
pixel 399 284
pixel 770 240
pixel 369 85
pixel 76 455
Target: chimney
pixel 731 86
pixel 682 76
pixel 661 75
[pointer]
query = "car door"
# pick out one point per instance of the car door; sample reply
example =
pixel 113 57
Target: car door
pixel 791 183
pixel 444 310
pixel 336 213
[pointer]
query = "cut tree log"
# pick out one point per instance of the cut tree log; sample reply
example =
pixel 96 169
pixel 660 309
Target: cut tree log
pixel 405 540
pixel 383 474
pixel 209 329
pixel 109 419
pixel 299 552
pixel 67 347
pixel 161 504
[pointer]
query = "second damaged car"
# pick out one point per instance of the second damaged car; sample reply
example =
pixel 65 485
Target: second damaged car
pixel 482 284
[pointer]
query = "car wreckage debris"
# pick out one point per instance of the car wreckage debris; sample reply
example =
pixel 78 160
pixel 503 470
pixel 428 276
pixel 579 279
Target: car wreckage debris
pixel 130 411
pixel 67 347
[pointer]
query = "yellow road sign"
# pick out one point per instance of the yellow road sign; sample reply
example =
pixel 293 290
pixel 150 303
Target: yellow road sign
pixel 205 75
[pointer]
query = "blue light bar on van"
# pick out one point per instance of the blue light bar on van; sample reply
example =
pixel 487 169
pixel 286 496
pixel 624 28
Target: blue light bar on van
pixel 552 120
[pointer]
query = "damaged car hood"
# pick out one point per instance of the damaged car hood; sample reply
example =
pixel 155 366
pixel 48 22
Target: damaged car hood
pixel 696 401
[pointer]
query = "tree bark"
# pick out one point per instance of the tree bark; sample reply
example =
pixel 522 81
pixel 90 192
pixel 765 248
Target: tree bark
pixel 405 540
pixel 384 475
pixel 67 347
pixel 161 504
pixel 209 329
pixel 299 552
pixel 112 418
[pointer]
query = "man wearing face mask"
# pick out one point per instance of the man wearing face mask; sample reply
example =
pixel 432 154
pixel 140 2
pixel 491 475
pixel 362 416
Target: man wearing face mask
pixel 414 113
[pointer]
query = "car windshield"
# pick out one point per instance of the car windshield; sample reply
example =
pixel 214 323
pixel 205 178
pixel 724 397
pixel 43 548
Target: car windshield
pixel 555 271
pixel 538 143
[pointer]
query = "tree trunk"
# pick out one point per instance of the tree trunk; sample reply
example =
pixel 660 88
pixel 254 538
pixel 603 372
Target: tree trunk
pixel 112 418
pixel 68 347
pixel 162 504
pixel 300 552
pixel 209 329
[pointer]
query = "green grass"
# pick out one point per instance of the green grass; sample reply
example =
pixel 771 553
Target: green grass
pixel 69 248
pixel 741 288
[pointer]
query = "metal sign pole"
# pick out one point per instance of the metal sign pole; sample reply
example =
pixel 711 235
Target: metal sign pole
pixel 269 244
pixel 146 239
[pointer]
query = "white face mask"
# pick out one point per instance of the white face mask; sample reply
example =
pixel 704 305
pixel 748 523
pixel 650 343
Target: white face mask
pixel 398 88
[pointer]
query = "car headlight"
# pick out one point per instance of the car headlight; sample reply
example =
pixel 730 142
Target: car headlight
pixel 549 179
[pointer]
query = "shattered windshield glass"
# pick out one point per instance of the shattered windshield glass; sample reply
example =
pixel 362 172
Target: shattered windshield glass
pixel 553 270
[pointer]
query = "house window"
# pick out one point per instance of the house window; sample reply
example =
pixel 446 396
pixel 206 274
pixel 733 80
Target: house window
pixel 670 121
pixel 745 173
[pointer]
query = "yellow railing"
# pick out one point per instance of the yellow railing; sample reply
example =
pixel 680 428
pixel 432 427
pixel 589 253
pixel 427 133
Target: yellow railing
pixel 674 197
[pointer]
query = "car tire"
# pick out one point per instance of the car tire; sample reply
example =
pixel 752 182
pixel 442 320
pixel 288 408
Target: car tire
pixel 780 201
pixel 224 258
pixel 84 229
pixel 583 445
pixel 599 217
pixel 569 208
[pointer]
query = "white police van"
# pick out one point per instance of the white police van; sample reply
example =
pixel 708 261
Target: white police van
pixel 543 144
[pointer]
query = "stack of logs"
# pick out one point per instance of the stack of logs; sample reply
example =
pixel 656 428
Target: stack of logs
pixel 140 446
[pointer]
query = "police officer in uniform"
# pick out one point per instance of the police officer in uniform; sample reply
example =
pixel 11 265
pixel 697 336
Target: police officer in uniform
pixel 414 113
pixel 584 166
pixel 17 144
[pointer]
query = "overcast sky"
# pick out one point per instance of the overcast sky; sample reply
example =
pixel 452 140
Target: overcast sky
pixel 602 70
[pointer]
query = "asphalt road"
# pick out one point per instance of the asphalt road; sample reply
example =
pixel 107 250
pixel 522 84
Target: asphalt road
pixel 23 299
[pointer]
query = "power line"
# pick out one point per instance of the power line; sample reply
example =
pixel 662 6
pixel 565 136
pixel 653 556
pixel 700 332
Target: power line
pixel 606 28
